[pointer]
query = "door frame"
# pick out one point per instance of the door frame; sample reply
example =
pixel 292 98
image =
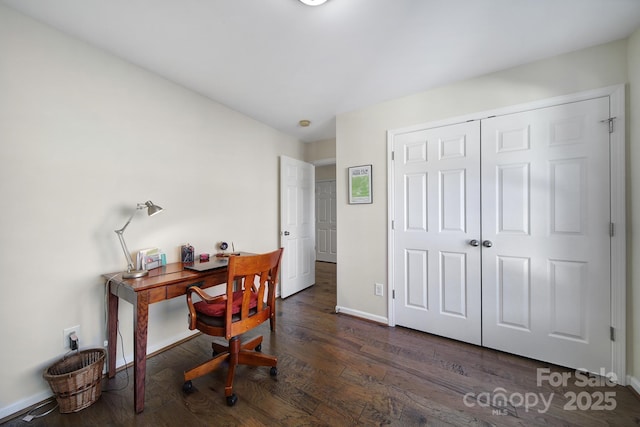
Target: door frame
pixel 617 194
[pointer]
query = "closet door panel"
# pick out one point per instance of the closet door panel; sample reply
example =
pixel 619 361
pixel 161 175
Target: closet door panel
pixel 436 214
pixel 545 210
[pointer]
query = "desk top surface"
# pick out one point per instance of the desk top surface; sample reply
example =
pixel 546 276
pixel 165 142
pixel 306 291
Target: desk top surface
pixel 162 276
pixel 174 272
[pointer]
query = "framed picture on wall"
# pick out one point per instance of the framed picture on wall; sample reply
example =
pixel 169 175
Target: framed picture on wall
pixel 360 185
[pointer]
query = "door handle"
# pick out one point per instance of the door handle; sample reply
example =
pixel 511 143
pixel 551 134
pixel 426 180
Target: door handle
pixel 474 242
pixel 487 243
pixel 286 233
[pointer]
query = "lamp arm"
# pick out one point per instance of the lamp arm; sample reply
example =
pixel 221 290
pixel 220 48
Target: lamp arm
pixel 119 232
pixel 125 250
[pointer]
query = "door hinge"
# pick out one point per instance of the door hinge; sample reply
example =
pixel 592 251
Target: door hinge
pixel 611 229
pixel 612 333
pixel 393 155
pixel 610 121
pixel 393 224
pixel 393 294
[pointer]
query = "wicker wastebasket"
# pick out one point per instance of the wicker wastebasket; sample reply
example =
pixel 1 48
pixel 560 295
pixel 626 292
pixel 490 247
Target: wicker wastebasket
pixel 76 380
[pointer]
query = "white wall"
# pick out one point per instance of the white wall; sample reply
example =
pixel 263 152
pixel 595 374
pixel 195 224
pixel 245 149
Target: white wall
pixel 362 139
pixel 323 155
pixel 85 136
pixel 320 150
pixel 326 173
pixel 633 216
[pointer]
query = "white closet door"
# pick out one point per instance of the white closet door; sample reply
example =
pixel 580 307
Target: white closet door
pixel 437 206
pixel 546 212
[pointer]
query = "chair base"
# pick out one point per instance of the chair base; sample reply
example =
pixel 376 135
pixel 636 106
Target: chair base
pixel 236 353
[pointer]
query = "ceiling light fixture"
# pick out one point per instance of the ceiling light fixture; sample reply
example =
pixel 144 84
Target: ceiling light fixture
pixel 313 2
pixel 304 123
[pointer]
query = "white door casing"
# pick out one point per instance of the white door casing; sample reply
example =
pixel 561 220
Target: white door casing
pixel 297 225
pixel 326 221
pixel 559 269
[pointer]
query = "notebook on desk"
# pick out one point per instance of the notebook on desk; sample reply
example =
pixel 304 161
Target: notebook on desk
pixel 213 263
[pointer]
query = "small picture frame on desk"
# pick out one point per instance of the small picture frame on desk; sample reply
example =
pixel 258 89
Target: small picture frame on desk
pixel 186 253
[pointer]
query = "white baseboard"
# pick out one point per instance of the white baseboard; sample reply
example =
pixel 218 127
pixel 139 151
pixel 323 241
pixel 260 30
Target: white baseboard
pixel 25 403
pixel 45 394
pixel 634 383
pixel 362 314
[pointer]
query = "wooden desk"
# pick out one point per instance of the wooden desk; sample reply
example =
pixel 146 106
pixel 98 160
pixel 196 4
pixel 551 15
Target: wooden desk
pixel 161 284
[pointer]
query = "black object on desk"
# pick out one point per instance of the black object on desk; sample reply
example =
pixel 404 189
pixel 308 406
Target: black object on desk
pixel 214 262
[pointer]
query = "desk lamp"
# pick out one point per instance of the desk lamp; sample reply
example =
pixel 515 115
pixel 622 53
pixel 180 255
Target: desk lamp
pixel 131 273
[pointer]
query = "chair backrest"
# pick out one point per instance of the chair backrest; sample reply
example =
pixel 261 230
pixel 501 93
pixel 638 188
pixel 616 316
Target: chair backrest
pixel 256 276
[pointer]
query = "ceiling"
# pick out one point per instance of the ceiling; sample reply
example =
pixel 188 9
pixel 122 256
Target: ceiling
pixel 279 61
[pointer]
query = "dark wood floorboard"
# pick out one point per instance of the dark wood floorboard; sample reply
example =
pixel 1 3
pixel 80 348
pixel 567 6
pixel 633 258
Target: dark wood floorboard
pixel 337 370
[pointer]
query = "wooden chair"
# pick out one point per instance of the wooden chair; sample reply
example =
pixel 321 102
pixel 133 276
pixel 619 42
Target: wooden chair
pixel 254 278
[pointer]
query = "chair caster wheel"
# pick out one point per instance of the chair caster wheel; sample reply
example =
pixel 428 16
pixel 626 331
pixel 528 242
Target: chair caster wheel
pixel 187 387
pixel 258 348
pixel 231 400
pixel 273 371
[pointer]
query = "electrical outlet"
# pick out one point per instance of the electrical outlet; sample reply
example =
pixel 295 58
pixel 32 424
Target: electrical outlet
pixel 379 289
pixel 67 332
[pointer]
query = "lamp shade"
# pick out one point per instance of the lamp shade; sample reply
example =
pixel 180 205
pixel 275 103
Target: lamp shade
pixel 152 209
pixel 313 2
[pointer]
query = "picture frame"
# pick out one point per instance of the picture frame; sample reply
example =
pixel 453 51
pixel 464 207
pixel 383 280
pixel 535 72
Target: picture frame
pixel 360 189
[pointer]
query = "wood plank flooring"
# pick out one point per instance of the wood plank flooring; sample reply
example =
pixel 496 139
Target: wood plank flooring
pixel 336 370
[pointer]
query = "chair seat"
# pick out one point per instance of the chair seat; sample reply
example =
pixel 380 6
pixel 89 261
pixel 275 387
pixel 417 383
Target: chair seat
pixel 219 309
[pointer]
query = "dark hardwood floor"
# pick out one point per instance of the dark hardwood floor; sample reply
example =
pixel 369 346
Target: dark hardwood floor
pixel 337 370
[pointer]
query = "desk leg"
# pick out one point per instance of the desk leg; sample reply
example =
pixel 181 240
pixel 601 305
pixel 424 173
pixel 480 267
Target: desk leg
pixel 112 333
pixel 141 323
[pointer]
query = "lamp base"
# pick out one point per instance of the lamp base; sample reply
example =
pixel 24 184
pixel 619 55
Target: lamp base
pixel 134 274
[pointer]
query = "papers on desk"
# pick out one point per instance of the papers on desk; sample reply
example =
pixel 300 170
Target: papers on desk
pixel 150 258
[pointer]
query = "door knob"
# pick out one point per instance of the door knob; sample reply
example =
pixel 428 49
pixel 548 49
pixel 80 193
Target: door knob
pixel 487 243
pixel 474 242
pixel 286 233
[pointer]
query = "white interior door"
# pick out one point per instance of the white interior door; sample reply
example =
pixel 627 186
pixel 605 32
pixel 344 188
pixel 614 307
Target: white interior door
pixel 437 214
pixel 297 226
pixel 326 221
pixel 546 211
